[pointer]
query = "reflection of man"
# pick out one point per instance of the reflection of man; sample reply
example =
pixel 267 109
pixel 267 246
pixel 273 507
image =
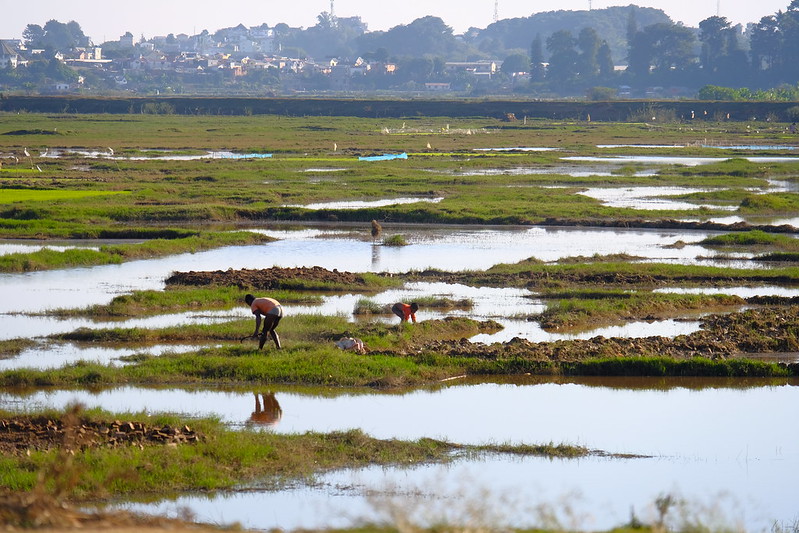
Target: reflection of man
pixel 267 413
pixel 271 311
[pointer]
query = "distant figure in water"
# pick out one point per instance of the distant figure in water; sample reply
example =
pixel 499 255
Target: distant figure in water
pixel 793 127
pixel 405 311
pixel 267 413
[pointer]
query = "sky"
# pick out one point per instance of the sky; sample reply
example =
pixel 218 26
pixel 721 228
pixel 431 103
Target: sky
pixel 107 21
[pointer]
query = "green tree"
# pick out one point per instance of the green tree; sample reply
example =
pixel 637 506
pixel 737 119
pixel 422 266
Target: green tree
pixel 765 44
pixel 537 69
pixel 713 33
pixel 562 57
pixel 589 43
pixel 665 49
pixel 605 62
pixel 515 63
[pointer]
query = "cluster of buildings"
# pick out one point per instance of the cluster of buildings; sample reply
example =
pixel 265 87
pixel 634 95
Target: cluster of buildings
pixel 230 54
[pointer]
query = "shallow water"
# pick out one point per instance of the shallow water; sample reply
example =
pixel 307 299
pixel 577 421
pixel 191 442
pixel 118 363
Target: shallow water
pixel 359 204
pixel 510 307
pixel 26 246
pixel 743 292
pixel 456 249
pixel 573 171
pixel 159 155
pixel 649 198
pixel 518 149
pixel 699 449
pixel 675 160
pixel 55 355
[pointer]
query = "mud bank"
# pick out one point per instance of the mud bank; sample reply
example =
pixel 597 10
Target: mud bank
pixel 266 279
pixel 725 336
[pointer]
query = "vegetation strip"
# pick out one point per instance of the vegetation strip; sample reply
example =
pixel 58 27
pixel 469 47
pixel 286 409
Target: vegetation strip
pixel 206 456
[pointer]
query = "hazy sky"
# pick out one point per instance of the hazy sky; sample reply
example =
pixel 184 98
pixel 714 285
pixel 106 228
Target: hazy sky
pixel 105 21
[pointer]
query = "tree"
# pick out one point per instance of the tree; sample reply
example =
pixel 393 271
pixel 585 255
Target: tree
pixel 765 43
pixel 562 56
pixel 661 48
pixel 537 59
pixel 33 36
pixel 605 62
pixel 713 33
pixel 588 42
pixel 515 63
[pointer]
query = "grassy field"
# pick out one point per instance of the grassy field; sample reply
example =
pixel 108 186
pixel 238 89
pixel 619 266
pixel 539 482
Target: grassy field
pixel 165 185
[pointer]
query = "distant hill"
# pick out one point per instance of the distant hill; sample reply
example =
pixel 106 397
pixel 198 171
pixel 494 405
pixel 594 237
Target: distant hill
pixel 610 23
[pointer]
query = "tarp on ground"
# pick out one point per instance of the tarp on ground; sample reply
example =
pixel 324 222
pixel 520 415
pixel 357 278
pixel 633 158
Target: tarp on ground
pixel 384 157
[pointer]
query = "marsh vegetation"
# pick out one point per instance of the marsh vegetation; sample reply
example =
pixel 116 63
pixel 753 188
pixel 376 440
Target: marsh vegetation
pixel 161 194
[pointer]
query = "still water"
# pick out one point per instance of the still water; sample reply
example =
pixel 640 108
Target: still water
pixel 457 249
pixel 706 440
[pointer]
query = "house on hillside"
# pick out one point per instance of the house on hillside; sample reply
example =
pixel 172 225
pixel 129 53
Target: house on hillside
pixel 482 68
pixel 9 56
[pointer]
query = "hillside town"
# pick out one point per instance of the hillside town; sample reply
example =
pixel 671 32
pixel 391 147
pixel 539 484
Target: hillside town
pixel 641 53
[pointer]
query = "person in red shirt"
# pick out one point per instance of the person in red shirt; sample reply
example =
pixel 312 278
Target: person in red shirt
pixel 271 311
pixel 405 311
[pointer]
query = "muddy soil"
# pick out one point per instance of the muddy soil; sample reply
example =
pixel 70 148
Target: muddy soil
pixel 772 328
pixel 266 279
pixel 20 435
pixel 768 330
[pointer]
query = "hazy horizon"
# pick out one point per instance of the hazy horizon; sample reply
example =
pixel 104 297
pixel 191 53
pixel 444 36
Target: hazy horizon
pixel 149 18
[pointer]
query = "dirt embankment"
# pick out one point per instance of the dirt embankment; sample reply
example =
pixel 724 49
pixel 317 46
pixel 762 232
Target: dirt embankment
pixel 21 434
pixel 773 330
pixel 267 278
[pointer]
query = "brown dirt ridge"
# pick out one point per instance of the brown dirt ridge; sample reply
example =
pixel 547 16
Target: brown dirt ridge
pixel 22 434
pixel 264 279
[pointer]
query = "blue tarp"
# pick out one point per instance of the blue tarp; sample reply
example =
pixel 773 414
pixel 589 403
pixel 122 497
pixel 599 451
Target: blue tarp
pixel 384 157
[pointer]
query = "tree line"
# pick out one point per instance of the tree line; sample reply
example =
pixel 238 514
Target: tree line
pixel 573 53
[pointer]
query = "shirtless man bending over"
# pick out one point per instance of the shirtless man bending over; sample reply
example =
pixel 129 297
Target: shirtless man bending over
pixel 271 312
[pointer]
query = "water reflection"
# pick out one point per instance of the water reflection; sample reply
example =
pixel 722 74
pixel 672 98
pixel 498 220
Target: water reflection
pixel 584 411
pixel 363 204
pixel 455 249
pixel 42 356
pixel 267 411
pixel 675 160
pixel 706 437
pixel 573 171
pixel 649 198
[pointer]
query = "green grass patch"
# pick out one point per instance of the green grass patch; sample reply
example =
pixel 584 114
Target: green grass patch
pixel 395 240
pixel 47 259
pixel 576 310
pixel 222 459
pixel 755 238
pixel 10 196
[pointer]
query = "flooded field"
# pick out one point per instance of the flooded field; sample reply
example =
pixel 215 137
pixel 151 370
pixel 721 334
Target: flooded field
pixel 706 457
pixel 450 249
pixel 725 449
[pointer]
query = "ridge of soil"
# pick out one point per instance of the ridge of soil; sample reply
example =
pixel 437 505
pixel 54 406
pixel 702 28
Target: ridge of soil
pixel 22 434
pixel 264 279
pixel 767 330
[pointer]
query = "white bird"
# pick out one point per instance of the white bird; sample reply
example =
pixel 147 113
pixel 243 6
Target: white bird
pixel 335 147
pixel 111 150
pixel 429 147
pixel 25 151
